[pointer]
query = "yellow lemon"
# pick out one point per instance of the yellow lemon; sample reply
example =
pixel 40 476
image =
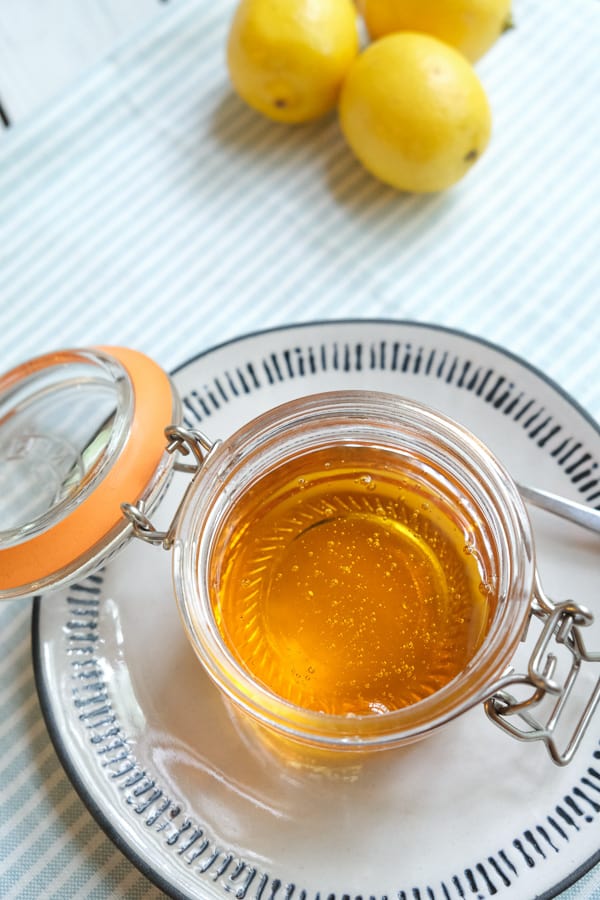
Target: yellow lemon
pixel 471 26
pixel 414 112
pixel 288 58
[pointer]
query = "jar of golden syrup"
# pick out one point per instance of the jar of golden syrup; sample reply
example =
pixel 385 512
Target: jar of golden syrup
pixel 353 569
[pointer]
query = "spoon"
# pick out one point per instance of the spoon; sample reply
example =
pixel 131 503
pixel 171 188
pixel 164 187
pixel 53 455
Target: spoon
pixel 560 506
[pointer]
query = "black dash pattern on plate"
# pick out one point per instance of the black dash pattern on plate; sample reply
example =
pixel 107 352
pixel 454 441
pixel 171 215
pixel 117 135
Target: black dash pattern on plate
pixel 493 387
pixel 189 840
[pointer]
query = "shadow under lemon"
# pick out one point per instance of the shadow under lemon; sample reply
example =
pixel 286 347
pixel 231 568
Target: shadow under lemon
pixel 274 149
pixel 245 133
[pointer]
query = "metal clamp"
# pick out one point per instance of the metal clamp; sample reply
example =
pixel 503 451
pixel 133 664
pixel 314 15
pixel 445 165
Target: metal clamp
pixel 186 441
pixel 562 625
pixel 179 440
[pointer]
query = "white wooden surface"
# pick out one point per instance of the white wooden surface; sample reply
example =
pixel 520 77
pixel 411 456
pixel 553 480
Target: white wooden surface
pixel 45 45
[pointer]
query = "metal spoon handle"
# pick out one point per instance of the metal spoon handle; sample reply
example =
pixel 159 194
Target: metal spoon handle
pixel 560 506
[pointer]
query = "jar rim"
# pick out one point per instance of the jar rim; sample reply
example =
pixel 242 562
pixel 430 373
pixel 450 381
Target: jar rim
pixel 366 413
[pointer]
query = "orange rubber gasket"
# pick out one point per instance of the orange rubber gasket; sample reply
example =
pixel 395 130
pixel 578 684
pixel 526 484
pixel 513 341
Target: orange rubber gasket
pixel 69 539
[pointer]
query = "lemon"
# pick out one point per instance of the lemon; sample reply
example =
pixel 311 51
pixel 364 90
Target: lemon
pixel 472 26
pixel 288 58
pixel 414 112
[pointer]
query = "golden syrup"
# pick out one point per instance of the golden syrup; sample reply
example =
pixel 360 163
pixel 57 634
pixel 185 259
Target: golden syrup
pixel 344 584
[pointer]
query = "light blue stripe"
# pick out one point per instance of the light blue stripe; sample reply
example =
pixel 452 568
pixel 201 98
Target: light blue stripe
pixel 134 214
pixel 159 212
pixel 112 881
pixel 40 772
pixel 13 630
pixel 18 872
pixel 41 884
pixel 132 64
pixel 109 109
pixel 20 837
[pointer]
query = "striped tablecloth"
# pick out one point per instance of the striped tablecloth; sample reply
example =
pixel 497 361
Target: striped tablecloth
pixel 149 207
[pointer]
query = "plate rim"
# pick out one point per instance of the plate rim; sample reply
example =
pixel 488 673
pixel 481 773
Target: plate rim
pixel 42 689
pixel 85 795
pixel 412 323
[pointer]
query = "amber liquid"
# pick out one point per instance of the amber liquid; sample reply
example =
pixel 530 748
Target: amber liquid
pixel 346 586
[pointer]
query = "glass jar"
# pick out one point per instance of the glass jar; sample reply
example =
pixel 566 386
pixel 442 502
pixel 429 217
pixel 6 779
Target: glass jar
pixel 446 466
pixel 83 462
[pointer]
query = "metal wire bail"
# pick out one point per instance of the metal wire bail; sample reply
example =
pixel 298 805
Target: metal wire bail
pixel 186 441
pixel 181 440
pixel 562 625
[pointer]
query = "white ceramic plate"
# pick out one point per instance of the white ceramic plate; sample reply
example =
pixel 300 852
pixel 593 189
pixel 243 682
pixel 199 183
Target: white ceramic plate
pixel 206 812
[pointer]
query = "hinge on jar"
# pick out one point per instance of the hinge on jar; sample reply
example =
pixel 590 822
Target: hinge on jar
pixel 179 440
pixel 562 624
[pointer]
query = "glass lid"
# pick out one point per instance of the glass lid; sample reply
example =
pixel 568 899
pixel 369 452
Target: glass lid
pixel 81 431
